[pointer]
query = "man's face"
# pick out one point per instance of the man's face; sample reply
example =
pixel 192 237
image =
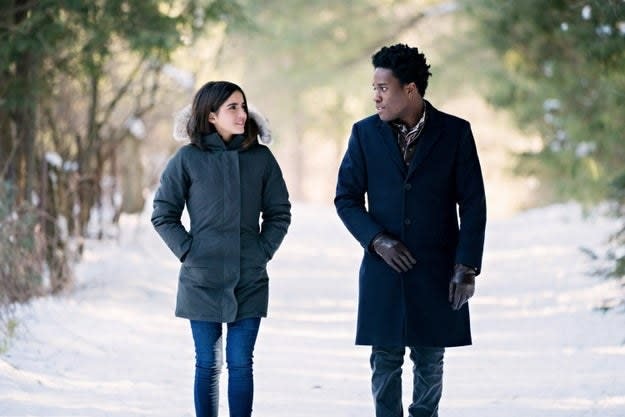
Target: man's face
pixel 392 99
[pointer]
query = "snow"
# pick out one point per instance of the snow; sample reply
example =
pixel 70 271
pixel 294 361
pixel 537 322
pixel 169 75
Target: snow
pixel 112 347
pixel 54 159
pixel 184 78
pixel 551 104
pixel 604 30
pixel 584 149
pixel 136 127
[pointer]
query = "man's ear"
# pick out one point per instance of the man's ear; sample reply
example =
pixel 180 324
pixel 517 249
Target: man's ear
pixel 411 88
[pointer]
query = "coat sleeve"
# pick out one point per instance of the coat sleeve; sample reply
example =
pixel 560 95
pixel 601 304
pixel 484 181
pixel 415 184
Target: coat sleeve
pixel 169 202
pixel 471 200
pixel 350 193
pixel 276 208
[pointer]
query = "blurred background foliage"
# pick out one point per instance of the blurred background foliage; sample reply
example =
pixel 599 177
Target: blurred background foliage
pixel 560 71
pixel 88 90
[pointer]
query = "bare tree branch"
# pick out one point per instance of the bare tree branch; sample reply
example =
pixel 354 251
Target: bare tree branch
pixel 121 92
pixel 437 10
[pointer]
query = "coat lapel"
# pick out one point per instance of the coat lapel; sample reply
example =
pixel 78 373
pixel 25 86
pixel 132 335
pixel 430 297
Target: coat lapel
pixel 429 137
pixel 390 142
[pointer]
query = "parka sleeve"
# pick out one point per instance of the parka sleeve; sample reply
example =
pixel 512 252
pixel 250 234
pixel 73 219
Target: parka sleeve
pixel 276 208
pixel 169 202
pixel 471 200
pixel 350 194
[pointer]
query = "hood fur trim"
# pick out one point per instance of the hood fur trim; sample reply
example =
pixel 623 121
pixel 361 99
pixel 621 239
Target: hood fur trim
pixel 181 118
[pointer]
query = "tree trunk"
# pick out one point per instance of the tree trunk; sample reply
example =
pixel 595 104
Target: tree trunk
pixel 55 244
pixel 7 172
pixel 131 175
pixel 89 179
pixel 26 76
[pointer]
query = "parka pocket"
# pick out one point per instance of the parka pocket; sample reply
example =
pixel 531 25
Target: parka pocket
pixel 253 253
pixel 198 277
pixel 261 250
pixel 203 253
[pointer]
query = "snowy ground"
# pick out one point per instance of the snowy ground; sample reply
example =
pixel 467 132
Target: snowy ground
pixel 113 348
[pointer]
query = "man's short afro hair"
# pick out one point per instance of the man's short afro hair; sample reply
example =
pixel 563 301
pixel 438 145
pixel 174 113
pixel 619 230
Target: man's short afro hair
pixel 408 64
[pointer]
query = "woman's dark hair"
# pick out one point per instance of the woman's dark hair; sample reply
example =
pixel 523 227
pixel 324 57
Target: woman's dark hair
pixel 208 99
pixel 408 65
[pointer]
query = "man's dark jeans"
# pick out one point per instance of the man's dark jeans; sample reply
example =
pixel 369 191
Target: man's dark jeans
pixel 386 367
pixel 240 341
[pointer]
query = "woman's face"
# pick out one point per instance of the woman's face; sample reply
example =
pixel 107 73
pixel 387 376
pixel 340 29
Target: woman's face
pixel 229 119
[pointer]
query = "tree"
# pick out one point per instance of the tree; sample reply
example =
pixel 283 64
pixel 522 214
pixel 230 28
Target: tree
pixel 73 74
pixel 561 72
pixel 304 61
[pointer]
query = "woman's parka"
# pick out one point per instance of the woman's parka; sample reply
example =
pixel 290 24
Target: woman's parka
pixel 226 188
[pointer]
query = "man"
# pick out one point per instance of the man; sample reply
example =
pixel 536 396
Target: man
pixel 416 165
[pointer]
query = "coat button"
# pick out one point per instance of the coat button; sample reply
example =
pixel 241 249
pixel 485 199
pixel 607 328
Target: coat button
pixel 407 222
pixel 407 187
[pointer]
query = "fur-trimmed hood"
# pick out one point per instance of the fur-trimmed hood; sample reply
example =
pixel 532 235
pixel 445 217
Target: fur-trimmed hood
pixel 181 119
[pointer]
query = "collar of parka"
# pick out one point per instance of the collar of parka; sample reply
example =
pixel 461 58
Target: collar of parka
pixel 213 142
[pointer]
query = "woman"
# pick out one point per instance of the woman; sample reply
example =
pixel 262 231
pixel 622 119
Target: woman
pixel 227 180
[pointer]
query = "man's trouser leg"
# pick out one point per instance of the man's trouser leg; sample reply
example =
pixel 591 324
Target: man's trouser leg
pixel 386 387
pixel 428 381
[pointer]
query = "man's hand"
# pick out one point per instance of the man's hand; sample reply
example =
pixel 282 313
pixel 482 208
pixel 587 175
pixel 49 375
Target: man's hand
pixel 461 286
pixel 394 253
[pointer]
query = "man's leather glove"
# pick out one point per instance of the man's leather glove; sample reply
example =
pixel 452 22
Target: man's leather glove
pixel 394 253
pixel 461 286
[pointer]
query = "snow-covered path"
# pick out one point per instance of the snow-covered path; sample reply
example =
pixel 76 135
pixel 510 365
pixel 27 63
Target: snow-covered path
pixel 113 348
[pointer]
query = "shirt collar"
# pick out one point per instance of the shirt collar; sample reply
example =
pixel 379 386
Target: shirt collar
pixel 404 129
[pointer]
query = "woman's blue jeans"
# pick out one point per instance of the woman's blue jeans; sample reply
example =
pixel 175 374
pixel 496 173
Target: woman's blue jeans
pixel 240 341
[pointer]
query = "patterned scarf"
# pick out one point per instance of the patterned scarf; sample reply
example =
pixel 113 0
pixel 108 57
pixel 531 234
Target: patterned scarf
pixel 407 139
